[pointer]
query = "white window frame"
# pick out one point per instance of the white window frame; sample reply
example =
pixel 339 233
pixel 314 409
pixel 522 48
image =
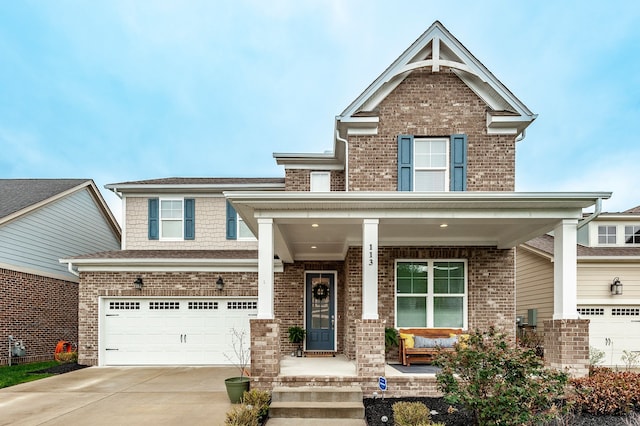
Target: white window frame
pixel 161 220
pixel 446 168
pixel 624 233
pixel 317 187
pixel 239 223
pixel 606 234
pixel 430 295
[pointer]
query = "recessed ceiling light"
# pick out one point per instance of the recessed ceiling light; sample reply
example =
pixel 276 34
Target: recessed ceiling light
pixel 314 225
pixel 443 225
pixel 314 247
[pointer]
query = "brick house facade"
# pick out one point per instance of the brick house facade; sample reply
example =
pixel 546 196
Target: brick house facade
pixel 350 242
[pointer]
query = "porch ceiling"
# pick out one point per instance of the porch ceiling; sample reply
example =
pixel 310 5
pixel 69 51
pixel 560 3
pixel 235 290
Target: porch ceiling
pixel 501 220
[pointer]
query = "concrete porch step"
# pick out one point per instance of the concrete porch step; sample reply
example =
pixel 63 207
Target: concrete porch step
pixel 317 410
pixel 317 394
pixel 317 402
pixel 316 422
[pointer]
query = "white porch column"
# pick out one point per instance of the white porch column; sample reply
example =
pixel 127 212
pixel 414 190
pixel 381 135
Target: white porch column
pixel 265 269
pixel 370 269
pixel 565 270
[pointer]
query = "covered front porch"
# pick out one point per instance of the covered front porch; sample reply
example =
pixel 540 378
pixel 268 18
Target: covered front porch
pixel 365 233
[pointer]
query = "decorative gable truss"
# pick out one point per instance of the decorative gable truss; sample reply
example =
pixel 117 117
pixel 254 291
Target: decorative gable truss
pixel 438 48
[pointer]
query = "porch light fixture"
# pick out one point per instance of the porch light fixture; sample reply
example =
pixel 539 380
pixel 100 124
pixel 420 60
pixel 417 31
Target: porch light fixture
pixel 220 283
pixel 443 225
pixel 616 287
pixel 314 225
pixel 138 284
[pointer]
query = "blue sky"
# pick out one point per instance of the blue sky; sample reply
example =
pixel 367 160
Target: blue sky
pixel 127 90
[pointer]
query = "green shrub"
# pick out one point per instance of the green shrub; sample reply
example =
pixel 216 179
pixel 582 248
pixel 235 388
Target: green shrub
pixel 606 392
pixel 500 382
pixel 390 338
pixel 258 399
pixel 242 415
pixel 411 414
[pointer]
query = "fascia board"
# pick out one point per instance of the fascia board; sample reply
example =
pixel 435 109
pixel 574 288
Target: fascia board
pixel 194 188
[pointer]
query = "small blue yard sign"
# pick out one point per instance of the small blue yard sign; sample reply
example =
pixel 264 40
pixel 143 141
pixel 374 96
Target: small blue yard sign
pixel 382 383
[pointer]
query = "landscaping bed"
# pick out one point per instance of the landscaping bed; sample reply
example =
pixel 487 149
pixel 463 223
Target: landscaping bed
pixel 375 409
pixel 61 368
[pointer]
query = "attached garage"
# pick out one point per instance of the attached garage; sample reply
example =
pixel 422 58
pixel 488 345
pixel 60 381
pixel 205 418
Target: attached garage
pixel 613 329
pixel 172 331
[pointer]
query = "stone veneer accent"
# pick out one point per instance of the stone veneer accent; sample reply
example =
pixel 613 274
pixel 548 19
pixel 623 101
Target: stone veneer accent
pixel 566 345
pixel 38 310
pixel 265 351
pixel 211 228
pixel 156 284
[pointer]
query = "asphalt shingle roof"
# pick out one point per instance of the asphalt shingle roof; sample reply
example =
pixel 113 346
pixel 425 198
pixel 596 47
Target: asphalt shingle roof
pixel 17 194
pixel 545 244
pixel 202 181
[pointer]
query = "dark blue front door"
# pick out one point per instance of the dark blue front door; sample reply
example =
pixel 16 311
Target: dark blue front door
pixel 320 317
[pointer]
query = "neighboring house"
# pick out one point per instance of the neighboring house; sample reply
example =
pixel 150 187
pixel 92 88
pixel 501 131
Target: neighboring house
pixel 608 265
pixel 410 221
pixel 41 221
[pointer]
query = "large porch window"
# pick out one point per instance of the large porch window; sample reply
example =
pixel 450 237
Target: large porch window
pixel 431 293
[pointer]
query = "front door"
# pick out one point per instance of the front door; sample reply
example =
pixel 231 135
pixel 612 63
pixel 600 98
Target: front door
pixel 320 311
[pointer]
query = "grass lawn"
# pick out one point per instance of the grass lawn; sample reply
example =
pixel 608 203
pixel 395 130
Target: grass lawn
pixel 16 374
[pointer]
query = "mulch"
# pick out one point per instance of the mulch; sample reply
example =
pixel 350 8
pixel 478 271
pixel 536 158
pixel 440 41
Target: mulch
pixel 61 368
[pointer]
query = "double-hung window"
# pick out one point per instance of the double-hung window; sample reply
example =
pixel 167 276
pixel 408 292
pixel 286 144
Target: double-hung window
pixel 432 164
pixel 431 293
pixel 172 219
pixel 431 157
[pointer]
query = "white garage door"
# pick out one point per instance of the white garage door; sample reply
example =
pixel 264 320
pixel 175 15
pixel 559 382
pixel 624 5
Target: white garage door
pixel 172 331
pixel 613 330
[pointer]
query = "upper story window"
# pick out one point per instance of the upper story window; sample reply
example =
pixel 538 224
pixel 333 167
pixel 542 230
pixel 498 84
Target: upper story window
pixel 632 234
pixel 244 233
pixel 431 293
pixel 606 234
pixel 171 219
pixel 432 164
pixel 320 181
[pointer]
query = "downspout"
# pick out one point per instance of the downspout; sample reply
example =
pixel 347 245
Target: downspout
pixel 71 270
pixel 346 160
pixel 593 215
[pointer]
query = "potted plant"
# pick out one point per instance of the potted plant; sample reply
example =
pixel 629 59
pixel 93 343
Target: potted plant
pixel 296 335
pixel 236 386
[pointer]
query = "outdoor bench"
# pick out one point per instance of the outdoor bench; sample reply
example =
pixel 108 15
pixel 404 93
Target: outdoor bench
pixel 423 344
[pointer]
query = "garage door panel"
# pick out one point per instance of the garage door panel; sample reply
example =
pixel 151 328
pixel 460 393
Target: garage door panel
pixel 613 330
pixel 167 331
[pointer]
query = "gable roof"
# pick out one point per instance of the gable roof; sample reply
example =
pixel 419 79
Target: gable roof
pixel 20 196
pixel 434 49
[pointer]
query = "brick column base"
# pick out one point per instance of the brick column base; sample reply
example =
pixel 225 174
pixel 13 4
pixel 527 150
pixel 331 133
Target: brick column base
pixel 265 350
pixel 370 348
pixel 566 346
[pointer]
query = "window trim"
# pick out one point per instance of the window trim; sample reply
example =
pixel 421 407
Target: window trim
pixel 161 220
pixel 447 162
pixel 430 295
pixel 606 235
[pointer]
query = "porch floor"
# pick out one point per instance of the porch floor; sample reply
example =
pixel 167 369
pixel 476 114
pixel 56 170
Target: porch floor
pixel 339 366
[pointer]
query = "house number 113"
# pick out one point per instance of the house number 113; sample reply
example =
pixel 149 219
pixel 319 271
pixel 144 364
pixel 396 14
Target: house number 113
pixel 370 254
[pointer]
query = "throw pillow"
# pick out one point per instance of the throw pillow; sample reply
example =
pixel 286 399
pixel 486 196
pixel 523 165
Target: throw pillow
pixel 408 340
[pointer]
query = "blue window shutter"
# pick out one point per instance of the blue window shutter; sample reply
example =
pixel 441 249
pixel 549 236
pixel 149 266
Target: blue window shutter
pixel 232 222
pixel 154 218
pixel 189 219
pixel 405 162
pixel 458 163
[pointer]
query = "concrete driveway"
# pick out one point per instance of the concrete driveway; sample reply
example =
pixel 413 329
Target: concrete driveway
pixel 121 396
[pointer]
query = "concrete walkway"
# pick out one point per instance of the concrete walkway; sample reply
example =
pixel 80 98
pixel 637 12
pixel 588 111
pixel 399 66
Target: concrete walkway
pixel 121 396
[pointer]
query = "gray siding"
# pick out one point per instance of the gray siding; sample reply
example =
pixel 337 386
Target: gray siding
pixel 71 226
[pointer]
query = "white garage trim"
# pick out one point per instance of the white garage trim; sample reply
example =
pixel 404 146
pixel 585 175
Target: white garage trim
pixel 171 330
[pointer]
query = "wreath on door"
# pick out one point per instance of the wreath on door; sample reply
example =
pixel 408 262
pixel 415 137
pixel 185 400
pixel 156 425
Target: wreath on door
pixel 320 291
